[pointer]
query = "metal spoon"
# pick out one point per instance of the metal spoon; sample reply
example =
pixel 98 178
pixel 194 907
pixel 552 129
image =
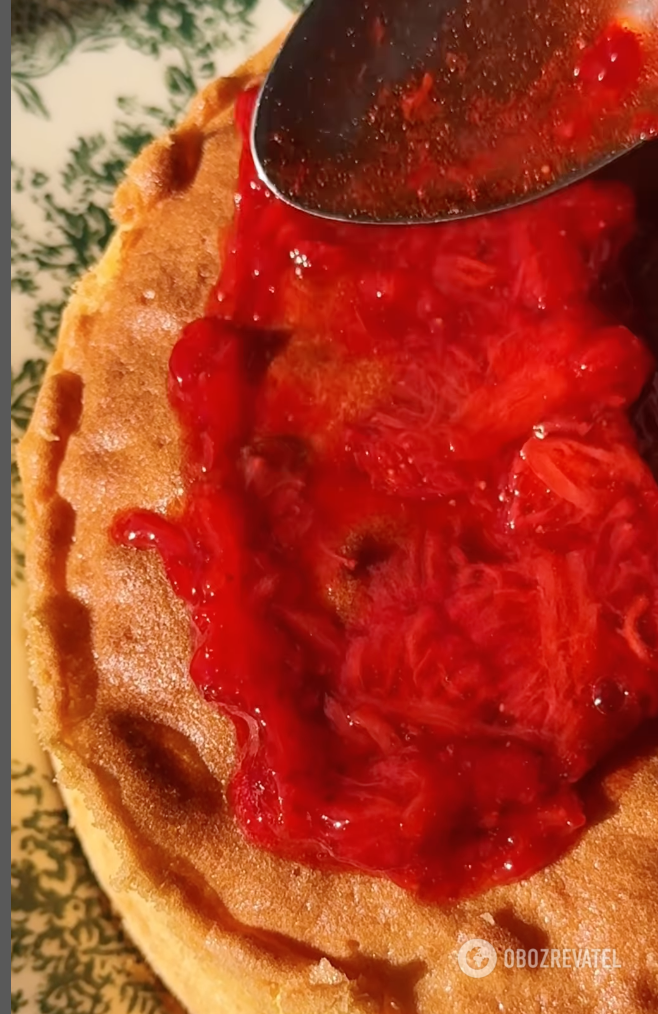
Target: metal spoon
pixel 401 111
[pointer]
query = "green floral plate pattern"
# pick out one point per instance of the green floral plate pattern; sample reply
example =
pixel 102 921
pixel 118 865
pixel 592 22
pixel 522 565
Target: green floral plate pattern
pixel 92 82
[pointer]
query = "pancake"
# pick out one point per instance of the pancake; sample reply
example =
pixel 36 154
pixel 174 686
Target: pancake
pixel 144 762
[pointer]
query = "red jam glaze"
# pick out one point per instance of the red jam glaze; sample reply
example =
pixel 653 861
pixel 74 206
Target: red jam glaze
pixel 418 542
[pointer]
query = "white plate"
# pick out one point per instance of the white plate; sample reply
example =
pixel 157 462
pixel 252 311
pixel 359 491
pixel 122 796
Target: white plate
pixel 92 81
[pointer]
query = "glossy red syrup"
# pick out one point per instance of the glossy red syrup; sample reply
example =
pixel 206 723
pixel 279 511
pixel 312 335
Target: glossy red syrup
pixel 418 543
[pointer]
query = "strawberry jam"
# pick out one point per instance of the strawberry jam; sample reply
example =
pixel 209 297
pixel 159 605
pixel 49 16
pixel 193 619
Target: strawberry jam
pixel 418 543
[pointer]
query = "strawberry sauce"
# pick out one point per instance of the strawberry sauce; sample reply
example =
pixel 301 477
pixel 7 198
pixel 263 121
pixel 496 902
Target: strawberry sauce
pixel 418 543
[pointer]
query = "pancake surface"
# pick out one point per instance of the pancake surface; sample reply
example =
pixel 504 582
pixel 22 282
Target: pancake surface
pixel 144 761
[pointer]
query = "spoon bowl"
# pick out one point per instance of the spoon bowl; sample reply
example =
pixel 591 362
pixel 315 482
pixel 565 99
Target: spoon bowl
pixel 403 111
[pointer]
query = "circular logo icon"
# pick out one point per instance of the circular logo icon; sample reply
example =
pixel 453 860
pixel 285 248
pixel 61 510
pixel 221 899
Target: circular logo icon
pixel 477 958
